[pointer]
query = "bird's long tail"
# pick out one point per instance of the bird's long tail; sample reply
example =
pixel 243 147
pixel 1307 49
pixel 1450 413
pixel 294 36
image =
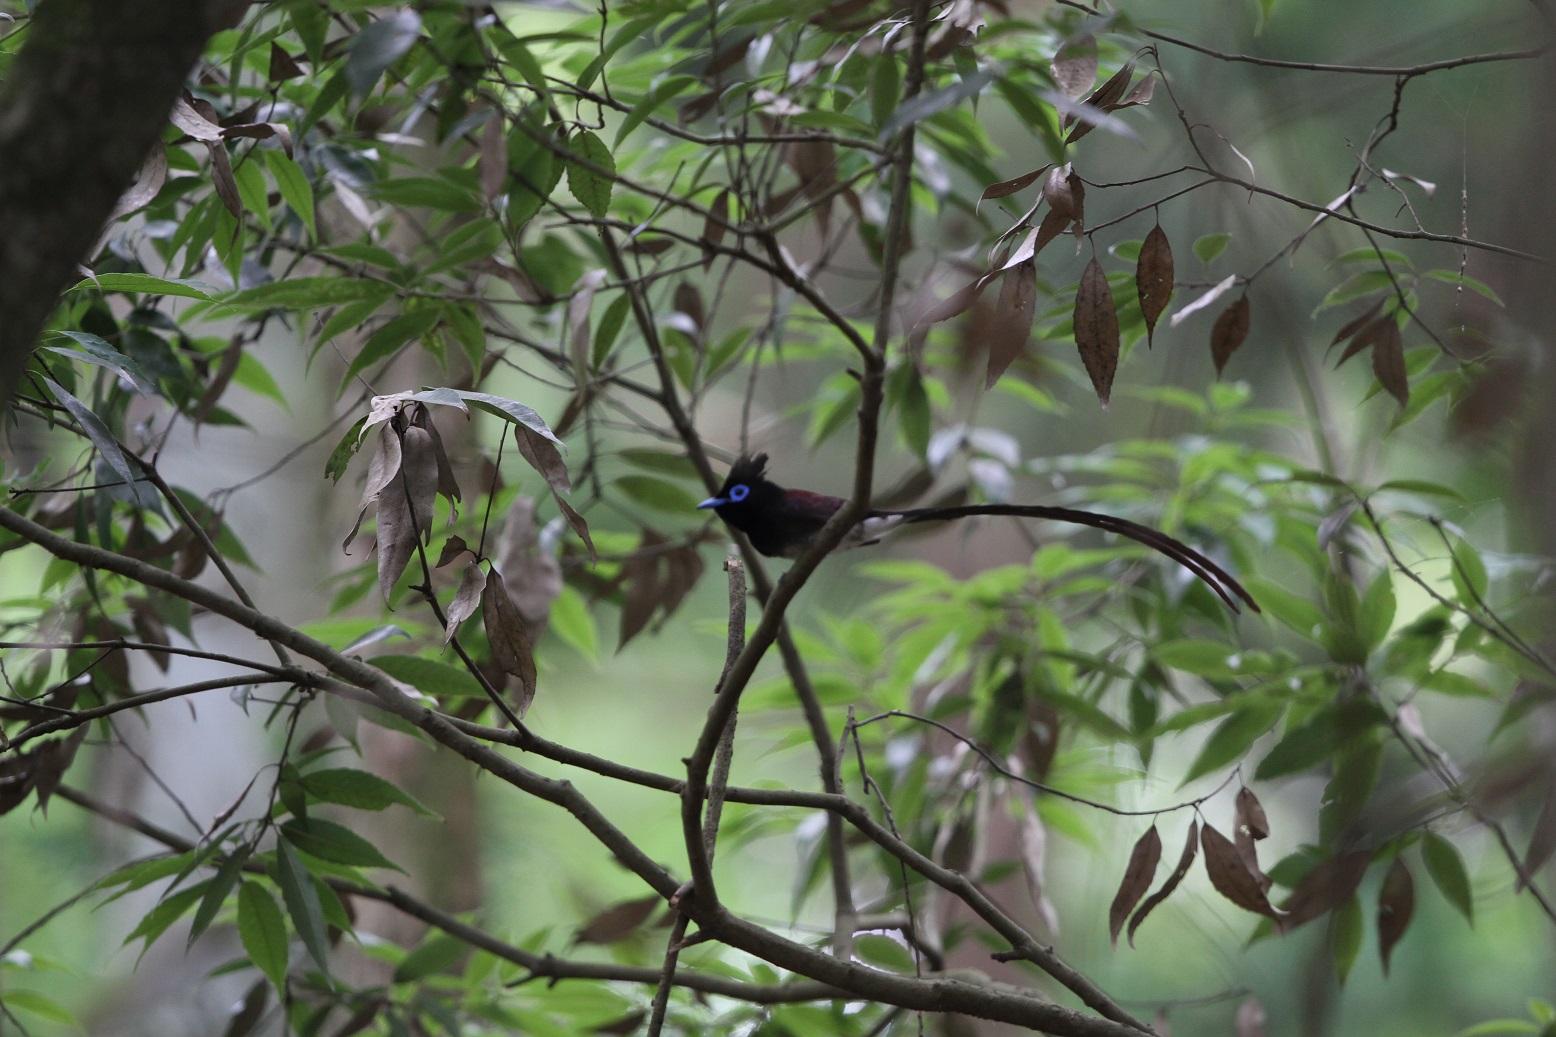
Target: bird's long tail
pixel 1218 579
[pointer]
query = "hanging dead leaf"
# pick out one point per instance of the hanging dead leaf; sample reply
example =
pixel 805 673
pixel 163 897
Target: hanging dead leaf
pixel 533 574
pixel 1388 362
pixel 618 920
pixel 1154 278
pixel 232 356
pixel 1250 1019
pixel 1140 93
pixel 578 308
pixel 545 458
pixel 1005 188
pixel 1325 888
pixel 1147 853
pixel 1012 320
pixel 1074 68
pixel 1250 814
pixel 1396 904
pixel 1230 876
pixel 1105 99
pixel 447 485
pixel 384 466
pixel 282 65
pixel 1354 325
pixel 688 300
pixel 642 577
pixel 683 568
pixel 1229 331
pixel 1365 338
pixel 814 161
pixel 472 582
pixel 1185 861
pixel 1034 863
pixel 714 226
pixel 150 628
pixel 1058 191
pixel 453 548
pixel 148 183
pixel 405 507
pixel 512 649
pixel 1096 329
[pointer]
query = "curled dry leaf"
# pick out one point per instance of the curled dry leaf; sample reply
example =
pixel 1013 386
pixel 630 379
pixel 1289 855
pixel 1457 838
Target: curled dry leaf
pixel 1325 888
pixel 714 226
pixel 1250 814
pixel 512 649
pixel 1143 859
pixel 1185 861
pixel 1396 904
pixel 1354 325
pixel 1388 362
pixel 1012 320
pixel 1058 191
pixel 1542 841
pixel 533 574
pixel 1074 68
pixel 1228 333
pixel 578 320
pixel 472 582
pixel 282 65
pixel 1231 877
pixel 641 575
pixel 618 920
pixel 447 485
pixel 545 458
pixel 405 507
pixel 453 547
pixel 1251 825
pixel 1005 188
pixel 1096 329
pixel 232 356
pixel 1154 278
pixel 1034 862
pixel 381 470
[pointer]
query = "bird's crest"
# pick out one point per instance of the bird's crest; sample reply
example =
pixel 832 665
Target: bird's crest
pixel 748 468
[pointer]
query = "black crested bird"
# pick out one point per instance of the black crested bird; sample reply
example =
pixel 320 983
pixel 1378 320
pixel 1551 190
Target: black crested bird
pixel 781 523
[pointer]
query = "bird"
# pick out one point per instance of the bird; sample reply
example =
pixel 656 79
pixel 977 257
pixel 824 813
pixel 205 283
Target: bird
pixel 781 523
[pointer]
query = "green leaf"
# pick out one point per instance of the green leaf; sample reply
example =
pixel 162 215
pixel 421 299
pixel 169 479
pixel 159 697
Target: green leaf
pixel 1447 869
pixel 98 433
pixel 1422 486
pixel 359 789
pixel 572 621
pixel 390 338
pixel 302 902
pixel 1205 658
pixel 1363 283
pixel 1301 747
pixel 263 932
pixel 344 451
pixel 1345 937
pixel 38 1005
pixel 168 910
pixel 1297 613
pixel 184 288
pixel 885 89
pixel 652 102
pixel 656 493
pixel 427 192
pixel 378 45
pixel 304 293
pixel 1468 573
pixel 438 952
pixel 1377 609
pixel 1457 279
pixel 438 679
pixel 611 322
pixel 592 187
pixel 97 351
pixel 1234 736
pixel 931 102
pixel 335 843
pixel 293 184
pixel 1209 247
pixel 216 893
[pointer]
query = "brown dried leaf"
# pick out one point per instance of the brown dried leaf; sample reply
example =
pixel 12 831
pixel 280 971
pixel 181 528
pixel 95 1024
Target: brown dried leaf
pixel 714 226
pixel 1143 859
pixel 452 549
pixel 1058 191
pixel 1104 99
pixel 1250 814
pixel 153 174
pixel 641 575
pixel 1230 876
pixel 1325 888
pixel 1396 904
pixel 1250 1018
pixel 1078 211
pixel 447 485
pixel 688 300
pixel 1140 93
pixel 512 649
pixel 260 131
pixel 1012 320
pixel 814 161
pixel 1354 325
pixel 232 356
pixel 545 458
pixel 1034 862
pixel 1154 278
pixel 282 65
pixel 405 507
pixel 222 178
pixel 683 568
pixel 1005 188
pixel 958 303
pixel 534 575
pixel 1229 331
pixel 1367 336
pixel 187 118
pixel 1388 362
pixel 150 628
pixel 384 466
pixel 1096 329
pixel 1074 68
pixel 492 164
pixel 578 320
pixel 1185 861
pixel 618 920
pixel 472 582
pixel 624 1026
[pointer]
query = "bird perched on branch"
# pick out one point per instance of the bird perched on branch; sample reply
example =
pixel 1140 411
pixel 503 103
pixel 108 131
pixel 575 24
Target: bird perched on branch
pixel 781 523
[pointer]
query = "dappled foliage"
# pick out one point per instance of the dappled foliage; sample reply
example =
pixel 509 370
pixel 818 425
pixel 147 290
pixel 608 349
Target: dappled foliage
pixel 527 279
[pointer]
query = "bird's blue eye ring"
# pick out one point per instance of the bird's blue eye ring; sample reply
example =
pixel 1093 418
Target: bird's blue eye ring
pixel 739 493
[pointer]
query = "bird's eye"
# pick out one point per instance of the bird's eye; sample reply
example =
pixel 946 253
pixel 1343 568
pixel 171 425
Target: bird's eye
pixel 739 493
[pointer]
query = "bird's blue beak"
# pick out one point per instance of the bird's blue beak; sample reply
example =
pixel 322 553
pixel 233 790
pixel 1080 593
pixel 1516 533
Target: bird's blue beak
pixel 713 502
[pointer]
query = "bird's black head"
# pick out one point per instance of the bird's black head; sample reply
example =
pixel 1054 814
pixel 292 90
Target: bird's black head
pixel 746 493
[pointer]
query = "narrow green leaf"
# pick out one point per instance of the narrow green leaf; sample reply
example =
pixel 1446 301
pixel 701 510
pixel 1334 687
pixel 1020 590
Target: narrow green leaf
pixel 216 893
pixel 438 679
pixel 353 788
pixel 98 433
pixel 1234 736
pixel 168 910
pixel 436 953
pixel 98 351
pixel 335 843
pixel 1345 937
pixel 293 184
pixel 302 902
pixel 1209 247
pixel 263 932
pixel 304 293
pixel 1447 869
pixel 390 338
pixel 39 1005
pixel 184 288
